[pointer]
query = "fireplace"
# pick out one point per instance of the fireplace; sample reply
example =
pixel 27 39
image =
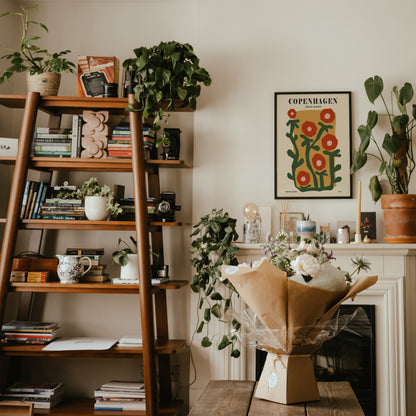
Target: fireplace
pixel 350 356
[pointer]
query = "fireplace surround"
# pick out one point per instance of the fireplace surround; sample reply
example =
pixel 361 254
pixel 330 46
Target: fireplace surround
pixel 394 297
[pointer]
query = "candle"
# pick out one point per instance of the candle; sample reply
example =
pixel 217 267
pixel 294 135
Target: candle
pixel 358 230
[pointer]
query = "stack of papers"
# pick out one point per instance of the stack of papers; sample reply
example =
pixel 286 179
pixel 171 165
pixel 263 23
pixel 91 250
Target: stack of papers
pixel 129 341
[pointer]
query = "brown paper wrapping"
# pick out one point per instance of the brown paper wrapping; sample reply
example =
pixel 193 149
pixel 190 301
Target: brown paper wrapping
pixel 295 314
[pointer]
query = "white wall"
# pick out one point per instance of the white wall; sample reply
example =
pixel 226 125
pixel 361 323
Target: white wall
pixel 251 49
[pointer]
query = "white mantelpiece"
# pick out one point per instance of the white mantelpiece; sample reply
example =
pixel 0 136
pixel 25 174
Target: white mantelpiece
pixel 395 298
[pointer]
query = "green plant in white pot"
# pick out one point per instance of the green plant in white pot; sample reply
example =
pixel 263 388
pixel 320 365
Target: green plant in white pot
pixel 394 154
pixel 127 258
pixel 43 68
pixel 98 200
pixel 166 73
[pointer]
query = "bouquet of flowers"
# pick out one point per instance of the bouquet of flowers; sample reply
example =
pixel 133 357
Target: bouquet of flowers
pixel 294 291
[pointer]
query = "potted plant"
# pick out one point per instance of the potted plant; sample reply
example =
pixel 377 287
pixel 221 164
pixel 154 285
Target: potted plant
pixel 43 68
pixel 168 73
pixel 211 248
pixel 127 258
pixel 98 200
pixel 395 157
pixel 305 227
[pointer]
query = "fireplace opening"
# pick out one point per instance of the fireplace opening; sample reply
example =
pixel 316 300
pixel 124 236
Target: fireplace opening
pixel 349 356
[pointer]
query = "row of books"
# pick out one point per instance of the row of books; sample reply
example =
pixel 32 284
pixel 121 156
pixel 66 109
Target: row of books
pixel 29 332
pixel 128 211
pixel 58 142
pixel 42 395
pixel 65 142
pixel 120 395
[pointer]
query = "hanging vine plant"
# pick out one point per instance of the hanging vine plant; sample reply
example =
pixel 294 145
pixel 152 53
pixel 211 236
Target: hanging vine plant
pixel 211 248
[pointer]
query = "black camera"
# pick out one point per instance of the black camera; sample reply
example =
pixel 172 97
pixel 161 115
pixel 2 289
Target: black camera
pixel 166 208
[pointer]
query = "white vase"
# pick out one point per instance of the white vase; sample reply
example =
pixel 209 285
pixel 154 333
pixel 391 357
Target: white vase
pixel 96 208
pixel 131 270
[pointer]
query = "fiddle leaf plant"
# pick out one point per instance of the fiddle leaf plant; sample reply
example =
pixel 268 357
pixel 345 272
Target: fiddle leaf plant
pixel 394 152
pixel 170 73
pixel 211 248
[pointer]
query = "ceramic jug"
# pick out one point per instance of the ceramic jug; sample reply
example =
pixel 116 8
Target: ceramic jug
pixel 70 267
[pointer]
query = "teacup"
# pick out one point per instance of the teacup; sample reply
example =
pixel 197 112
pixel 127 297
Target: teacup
pixel 70 267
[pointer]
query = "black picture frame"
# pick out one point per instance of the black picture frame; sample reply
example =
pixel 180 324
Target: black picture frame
pixel 313 145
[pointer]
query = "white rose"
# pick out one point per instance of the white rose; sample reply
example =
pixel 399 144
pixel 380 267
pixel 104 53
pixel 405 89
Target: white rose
pixel 257 263
pixel 306 265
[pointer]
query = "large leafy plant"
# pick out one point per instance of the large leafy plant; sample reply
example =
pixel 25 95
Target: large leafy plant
pixel 395 152
pixel 30 57
pixel 211 248
pixel 168 73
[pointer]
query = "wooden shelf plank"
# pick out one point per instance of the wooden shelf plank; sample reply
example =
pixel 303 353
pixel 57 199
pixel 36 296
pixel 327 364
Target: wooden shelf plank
pixel 73 105
pixel 85 407
pixel 57 287
pixel 169 347
pixel 88 225
pixel 95 165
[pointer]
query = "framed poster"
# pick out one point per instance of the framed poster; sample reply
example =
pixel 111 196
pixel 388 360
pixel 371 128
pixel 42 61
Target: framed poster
pixel 312 145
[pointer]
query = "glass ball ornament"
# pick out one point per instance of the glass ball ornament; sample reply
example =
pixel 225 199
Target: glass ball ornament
pixel 251 211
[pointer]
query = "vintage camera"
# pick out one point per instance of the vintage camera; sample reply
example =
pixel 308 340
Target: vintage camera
pixel 166 208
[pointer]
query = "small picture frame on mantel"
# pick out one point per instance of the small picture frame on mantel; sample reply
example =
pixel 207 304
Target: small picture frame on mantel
pixel 368 226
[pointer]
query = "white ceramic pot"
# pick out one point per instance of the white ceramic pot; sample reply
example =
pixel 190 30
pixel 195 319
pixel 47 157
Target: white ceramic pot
pixel 46 83
pixel 96 208
pixel 131 270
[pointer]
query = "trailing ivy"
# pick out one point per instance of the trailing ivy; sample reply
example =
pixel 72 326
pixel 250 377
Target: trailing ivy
pixel 211 248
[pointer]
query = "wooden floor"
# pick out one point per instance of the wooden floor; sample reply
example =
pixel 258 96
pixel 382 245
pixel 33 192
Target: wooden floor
pixel 236 398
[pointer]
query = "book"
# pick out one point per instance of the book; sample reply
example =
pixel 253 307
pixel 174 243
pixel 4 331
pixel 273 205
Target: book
pixel 29 199
pixel 52 130
pixel 89 278
pixel 52 148
pixel 38 388
pixel 33 200
pixel 37 277
pixel 54 136
pixel 85 251
pixel 95 272
pixel 128 386
pixel 18 276
pixel 29 325
pixel 34 335
pixel 119 405
pixel 25 196
pixel 40 196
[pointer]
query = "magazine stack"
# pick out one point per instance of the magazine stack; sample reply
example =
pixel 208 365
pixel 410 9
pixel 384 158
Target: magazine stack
pixel 42 395
pixel 120 395
pixel 29 332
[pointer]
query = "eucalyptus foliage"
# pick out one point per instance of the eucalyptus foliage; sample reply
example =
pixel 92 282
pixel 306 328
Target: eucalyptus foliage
pixel 166 73
pixel 395 154
pixel 30 57
pixel 211 248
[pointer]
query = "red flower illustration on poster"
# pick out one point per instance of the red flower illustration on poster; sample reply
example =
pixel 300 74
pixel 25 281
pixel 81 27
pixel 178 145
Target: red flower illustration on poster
pixel 314 149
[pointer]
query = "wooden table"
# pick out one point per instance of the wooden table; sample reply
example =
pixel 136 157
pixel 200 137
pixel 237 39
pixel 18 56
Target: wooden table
pixel 236 398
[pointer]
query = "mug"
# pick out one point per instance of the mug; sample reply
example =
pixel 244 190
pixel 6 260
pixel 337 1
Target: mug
pixel 70 267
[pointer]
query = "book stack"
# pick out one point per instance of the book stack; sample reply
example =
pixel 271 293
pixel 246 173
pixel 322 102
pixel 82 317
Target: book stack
pixel 97 273
pixel 56 207
pixel 34 195
pixel 130 341
pixel 119 396
pixel 30 332
pixel 119 144
pixel 52 142
pixel 127 205
pixel 42 395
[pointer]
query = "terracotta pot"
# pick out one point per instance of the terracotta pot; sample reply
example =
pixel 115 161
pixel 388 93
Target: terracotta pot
pixel 399 218
pixel 46 83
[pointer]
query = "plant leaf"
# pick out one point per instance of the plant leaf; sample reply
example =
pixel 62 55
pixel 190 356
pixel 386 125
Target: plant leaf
pixel 375 188
pixel 373 87
pixel 205 342
pixel 224 342
pixel 372 119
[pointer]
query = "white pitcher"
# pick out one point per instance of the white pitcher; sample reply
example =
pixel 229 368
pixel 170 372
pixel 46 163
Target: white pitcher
pixel 70 267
